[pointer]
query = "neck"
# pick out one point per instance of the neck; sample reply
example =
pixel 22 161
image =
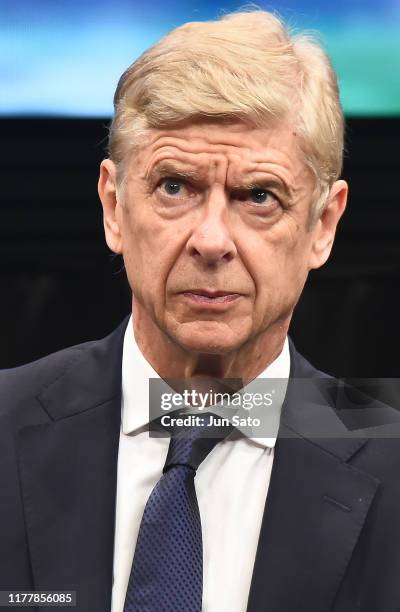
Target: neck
pixel 171 360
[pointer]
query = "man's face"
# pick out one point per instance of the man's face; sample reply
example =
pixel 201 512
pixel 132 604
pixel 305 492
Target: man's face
pixel 215 233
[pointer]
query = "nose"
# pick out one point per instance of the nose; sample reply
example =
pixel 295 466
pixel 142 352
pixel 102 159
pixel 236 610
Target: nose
pixel 211 239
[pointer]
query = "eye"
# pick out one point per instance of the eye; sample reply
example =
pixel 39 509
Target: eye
pixel 172 186
pixel 259 197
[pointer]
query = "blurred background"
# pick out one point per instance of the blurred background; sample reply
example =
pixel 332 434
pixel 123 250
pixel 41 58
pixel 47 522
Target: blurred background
pixel 59 66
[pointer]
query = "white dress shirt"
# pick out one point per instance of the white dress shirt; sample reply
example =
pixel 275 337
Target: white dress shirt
pixel 231 487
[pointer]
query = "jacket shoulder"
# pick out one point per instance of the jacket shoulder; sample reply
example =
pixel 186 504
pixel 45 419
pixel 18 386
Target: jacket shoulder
pixel 26 381
pixel 21 382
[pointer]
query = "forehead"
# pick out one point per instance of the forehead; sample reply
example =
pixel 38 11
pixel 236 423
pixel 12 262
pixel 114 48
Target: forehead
pixel 206 142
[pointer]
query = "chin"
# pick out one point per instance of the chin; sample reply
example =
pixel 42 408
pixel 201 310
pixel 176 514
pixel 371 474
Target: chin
pixel 208 338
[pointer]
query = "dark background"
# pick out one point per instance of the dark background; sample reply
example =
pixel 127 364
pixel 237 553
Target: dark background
pixel 61 285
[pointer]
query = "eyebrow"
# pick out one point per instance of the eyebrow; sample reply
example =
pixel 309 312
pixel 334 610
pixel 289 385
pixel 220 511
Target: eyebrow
pixel 169 168
pixel 262 183
pixel 166 167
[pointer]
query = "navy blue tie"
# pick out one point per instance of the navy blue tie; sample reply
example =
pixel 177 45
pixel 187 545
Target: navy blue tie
pixel 167 568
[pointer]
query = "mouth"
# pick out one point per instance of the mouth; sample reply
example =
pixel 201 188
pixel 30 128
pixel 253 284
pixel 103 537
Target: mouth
pixel 206 297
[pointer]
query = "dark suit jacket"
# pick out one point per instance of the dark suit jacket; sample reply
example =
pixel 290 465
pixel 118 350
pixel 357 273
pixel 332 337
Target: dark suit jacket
pixel 330 536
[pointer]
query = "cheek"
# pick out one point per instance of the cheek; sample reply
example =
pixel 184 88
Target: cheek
pixel 150 246
pixel 278 261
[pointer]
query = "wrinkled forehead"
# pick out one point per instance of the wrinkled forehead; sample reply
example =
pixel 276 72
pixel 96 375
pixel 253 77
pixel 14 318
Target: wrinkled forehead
pixel 205 146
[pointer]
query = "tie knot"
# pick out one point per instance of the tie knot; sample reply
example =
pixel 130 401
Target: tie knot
pixel 190 445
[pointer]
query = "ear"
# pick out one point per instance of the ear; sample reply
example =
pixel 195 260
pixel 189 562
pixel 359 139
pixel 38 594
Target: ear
pixel 112 209
pixel 325 228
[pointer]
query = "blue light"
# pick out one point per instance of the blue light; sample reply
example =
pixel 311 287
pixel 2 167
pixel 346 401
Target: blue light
pixel 64 58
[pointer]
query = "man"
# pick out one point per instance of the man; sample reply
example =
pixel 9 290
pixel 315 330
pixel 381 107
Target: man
pixel 221 193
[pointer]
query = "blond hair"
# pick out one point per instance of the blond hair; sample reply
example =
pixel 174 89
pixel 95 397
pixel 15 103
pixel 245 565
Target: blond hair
pixel 245 66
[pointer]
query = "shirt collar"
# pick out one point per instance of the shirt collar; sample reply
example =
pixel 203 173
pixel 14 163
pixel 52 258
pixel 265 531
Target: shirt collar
pixel 136 372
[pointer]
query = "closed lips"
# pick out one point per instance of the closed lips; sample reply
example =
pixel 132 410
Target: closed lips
pixel 211 296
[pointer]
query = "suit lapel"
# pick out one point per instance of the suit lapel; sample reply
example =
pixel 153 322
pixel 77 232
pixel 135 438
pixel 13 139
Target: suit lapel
pixel 68 469
pixel 315 509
